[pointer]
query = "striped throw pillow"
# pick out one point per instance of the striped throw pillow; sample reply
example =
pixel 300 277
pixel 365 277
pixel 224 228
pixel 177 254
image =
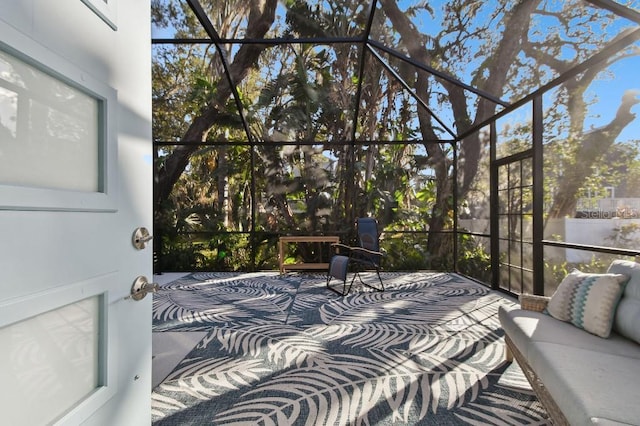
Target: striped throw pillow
pixel 588 301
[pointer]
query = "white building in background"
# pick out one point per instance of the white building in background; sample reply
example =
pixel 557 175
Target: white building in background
pixel 608 208
pixel 598 222
pixel 598 232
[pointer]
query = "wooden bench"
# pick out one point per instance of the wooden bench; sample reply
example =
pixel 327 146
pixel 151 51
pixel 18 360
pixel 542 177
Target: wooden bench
pixel 284 241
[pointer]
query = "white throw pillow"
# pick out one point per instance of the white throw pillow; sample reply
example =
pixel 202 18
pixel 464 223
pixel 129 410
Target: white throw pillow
pixel 588 301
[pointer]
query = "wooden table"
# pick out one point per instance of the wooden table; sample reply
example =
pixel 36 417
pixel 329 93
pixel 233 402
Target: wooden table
pixel 303 239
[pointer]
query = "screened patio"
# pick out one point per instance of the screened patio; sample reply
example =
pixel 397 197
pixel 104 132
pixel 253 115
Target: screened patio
pixel 496 139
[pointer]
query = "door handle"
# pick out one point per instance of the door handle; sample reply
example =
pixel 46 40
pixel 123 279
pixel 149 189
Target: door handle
pixel 141 286
pixel 141 237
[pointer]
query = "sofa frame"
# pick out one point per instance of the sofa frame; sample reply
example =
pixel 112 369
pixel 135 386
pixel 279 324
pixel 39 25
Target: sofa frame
pixel 538 304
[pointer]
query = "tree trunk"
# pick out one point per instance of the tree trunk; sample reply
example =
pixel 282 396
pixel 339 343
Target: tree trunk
pixel 593 146
pixel 261 18
pixel 498 64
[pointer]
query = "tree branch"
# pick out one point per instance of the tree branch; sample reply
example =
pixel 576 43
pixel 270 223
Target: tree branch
pixel 594 145
pixel 261 17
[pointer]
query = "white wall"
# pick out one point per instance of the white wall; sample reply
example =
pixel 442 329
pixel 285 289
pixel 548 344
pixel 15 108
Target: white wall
pixel 576 231
pixel 585 231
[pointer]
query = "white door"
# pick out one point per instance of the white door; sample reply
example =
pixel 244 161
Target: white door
pixel 75 182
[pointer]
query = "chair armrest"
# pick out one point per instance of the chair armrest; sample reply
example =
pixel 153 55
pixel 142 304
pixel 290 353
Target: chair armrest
pixel 532 302
pixel 364 250
pixel 358 249
pixel 341 246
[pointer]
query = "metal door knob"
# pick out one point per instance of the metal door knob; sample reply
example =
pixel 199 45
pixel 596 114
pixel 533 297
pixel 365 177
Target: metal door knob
pixel 141 237
pixel 141 286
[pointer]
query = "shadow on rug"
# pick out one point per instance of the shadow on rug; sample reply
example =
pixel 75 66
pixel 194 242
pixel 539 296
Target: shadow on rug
pixel 285 350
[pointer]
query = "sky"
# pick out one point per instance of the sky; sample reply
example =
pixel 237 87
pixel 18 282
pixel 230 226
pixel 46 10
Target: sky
pixel 608 90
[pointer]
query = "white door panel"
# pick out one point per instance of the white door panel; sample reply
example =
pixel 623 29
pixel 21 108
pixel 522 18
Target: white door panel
pixel 74 349
pixel 56 353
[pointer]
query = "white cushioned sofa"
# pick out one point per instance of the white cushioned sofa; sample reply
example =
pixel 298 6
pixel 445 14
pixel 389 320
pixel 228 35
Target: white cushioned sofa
pixel 580 348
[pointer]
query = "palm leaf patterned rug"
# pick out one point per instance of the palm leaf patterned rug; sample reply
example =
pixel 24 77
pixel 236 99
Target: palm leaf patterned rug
pixel 285 350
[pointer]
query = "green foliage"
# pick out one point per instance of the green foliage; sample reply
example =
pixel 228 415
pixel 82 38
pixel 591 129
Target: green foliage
pixel 405 252
pixel 179 256
pixel 627 235
pixel 474 259
pixel 231 202
pixel 554 272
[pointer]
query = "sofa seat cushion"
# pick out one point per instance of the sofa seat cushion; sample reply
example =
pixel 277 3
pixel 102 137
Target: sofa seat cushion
pixel 525 327
pixel 589 386
pixel 592 380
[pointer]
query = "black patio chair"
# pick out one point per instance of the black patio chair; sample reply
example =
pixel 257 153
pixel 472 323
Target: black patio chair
pixel 365 257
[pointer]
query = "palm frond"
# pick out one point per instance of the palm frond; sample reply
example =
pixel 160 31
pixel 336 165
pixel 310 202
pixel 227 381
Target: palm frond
pixel 380 336
pixel 308 301
pixel 282 350
pixel 222 305
pixel 162 404
pixel 202 379
pixel 349 387
pixel 497 409
pixel 283 345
